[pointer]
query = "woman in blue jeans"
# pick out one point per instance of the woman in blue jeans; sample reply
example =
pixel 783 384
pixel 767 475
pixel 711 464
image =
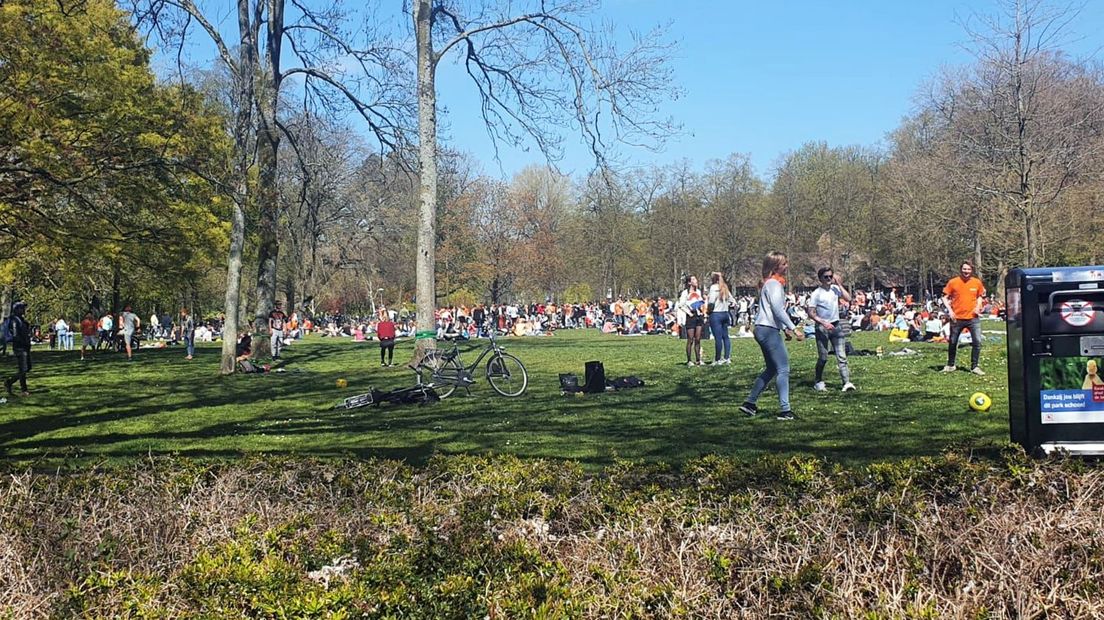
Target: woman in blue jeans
pixel 720 300
pixel 771 323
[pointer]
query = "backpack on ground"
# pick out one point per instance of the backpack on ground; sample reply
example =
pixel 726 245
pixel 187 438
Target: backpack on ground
pixel 595 378
pixel 569 384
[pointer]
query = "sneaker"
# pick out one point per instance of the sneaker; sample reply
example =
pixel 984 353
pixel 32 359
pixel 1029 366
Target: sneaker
pixel 689 364
pixel 848 387
pixel 187 357
pixel 977 371
pixel 749 409
pixel 727 361
pixel 820 387
pixel 382 365
pixel 716 363
pixel 949 368
pixel 785 415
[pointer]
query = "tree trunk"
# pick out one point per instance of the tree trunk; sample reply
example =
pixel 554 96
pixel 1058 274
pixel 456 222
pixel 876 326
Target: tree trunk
pixel 233 286
pixel 427 177
pixel 268 143
pixel 115 289
pixel 243 120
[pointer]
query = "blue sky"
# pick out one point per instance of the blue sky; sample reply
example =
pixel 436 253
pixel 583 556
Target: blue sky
pixel 762 78
pixel 758 78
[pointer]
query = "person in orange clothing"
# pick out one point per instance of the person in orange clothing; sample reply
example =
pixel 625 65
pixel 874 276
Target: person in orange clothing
pixel 963 297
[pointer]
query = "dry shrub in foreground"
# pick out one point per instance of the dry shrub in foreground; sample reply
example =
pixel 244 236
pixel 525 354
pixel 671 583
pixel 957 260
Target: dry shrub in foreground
pixel 471 537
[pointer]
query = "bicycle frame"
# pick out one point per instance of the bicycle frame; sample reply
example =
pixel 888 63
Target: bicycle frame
pixel 491 348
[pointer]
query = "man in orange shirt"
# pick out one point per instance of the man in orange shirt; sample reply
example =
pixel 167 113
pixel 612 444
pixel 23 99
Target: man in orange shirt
pixel 963 297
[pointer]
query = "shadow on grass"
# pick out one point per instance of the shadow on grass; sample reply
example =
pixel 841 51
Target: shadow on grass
pixel 163 404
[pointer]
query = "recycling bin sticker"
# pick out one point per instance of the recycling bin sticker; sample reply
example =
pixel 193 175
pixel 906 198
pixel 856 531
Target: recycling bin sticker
pixel 1072 390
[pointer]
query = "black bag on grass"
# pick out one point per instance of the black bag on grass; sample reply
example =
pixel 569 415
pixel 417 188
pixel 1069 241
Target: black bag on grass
pixel 569 384
pixel 595 378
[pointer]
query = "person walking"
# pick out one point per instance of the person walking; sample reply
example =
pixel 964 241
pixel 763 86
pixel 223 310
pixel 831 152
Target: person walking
pixel 130 324
pixel 771 322
pixel 824 310
pixel 20 333
pixel 88 334
pixel 692 304
pixel 720 301
pixel 276 320
pixel 963 297
pixel 187 332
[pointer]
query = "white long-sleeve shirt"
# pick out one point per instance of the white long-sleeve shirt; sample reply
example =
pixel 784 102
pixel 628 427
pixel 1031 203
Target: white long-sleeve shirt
pixel 772 306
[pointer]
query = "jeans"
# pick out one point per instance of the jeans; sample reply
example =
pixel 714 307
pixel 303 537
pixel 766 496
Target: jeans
pixel 778 366
pixel 275 341
pixel 189 343
pixel 838 341
pixel 974 325
pixel 718 326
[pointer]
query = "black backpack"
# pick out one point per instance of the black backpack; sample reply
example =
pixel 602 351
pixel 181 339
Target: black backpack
pixel 595 378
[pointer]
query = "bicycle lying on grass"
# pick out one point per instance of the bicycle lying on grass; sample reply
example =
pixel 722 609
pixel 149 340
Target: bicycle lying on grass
pixel 444 370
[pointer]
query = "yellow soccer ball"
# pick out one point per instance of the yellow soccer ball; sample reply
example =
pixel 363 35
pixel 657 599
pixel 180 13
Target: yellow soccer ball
pixel 980 401
pixel 341 383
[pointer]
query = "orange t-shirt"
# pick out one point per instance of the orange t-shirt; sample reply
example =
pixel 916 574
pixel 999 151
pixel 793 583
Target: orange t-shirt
pixel 88 327
pixel 964 295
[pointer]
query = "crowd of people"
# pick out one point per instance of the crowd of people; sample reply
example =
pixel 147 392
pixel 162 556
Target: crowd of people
pixel 829 313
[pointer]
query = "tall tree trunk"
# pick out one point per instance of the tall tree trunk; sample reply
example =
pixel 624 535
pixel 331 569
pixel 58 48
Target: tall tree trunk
pixel 115 274
pixel 268 143
pixel 243 120
pixel 427 181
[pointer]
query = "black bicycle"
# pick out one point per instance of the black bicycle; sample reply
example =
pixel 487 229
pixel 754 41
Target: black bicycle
pixel 444 370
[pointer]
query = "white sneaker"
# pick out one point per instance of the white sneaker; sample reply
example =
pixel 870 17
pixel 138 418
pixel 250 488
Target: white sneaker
pixel 727 361
pixel 848 387
pixel 690 364
pixel 949 369
pixel 820 387
pixel 716 363
pixel 977 371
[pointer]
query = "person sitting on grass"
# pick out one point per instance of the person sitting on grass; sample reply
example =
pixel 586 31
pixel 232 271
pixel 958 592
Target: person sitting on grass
pixel 245 347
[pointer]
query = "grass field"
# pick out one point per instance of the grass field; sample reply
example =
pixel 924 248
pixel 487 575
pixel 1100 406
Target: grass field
pixel 162 404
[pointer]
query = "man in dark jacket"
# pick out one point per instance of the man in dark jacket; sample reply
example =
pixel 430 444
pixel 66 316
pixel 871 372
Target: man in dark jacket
pixel 21 348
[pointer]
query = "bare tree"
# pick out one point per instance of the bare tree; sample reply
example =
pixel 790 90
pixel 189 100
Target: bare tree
pixel 1023 121
pixel 538 72
pixel 316 37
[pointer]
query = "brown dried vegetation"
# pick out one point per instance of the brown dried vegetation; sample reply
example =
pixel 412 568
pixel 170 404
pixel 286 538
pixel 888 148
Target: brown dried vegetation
pixel 502 538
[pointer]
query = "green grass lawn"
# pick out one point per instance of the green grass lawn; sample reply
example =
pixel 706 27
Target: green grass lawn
pixel 163 404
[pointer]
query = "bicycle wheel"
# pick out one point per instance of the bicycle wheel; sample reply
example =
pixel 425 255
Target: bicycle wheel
pixel 440 372
pixel 507 375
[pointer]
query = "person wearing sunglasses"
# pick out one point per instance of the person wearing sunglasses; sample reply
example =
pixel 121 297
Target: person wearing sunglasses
pixel 824 309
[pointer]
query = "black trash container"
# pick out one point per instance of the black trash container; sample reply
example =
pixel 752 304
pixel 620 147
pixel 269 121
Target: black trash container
pixel 1056 359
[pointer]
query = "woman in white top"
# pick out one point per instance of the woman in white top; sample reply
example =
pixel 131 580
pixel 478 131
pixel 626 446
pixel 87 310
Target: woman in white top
pixel 720 300
pixel 691 303
pixel 771 323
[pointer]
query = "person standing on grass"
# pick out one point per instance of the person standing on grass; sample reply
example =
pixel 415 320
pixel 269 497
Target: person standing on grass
pixel 107 327
pixel 824 310
pixel 385 331
pixel 771 322
pixel 187 332
pixel 963 297
pixel 276 320
pixel 88 334
pixel 130 324
pixel 720 300
pixel 692 305
pixel 20 333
